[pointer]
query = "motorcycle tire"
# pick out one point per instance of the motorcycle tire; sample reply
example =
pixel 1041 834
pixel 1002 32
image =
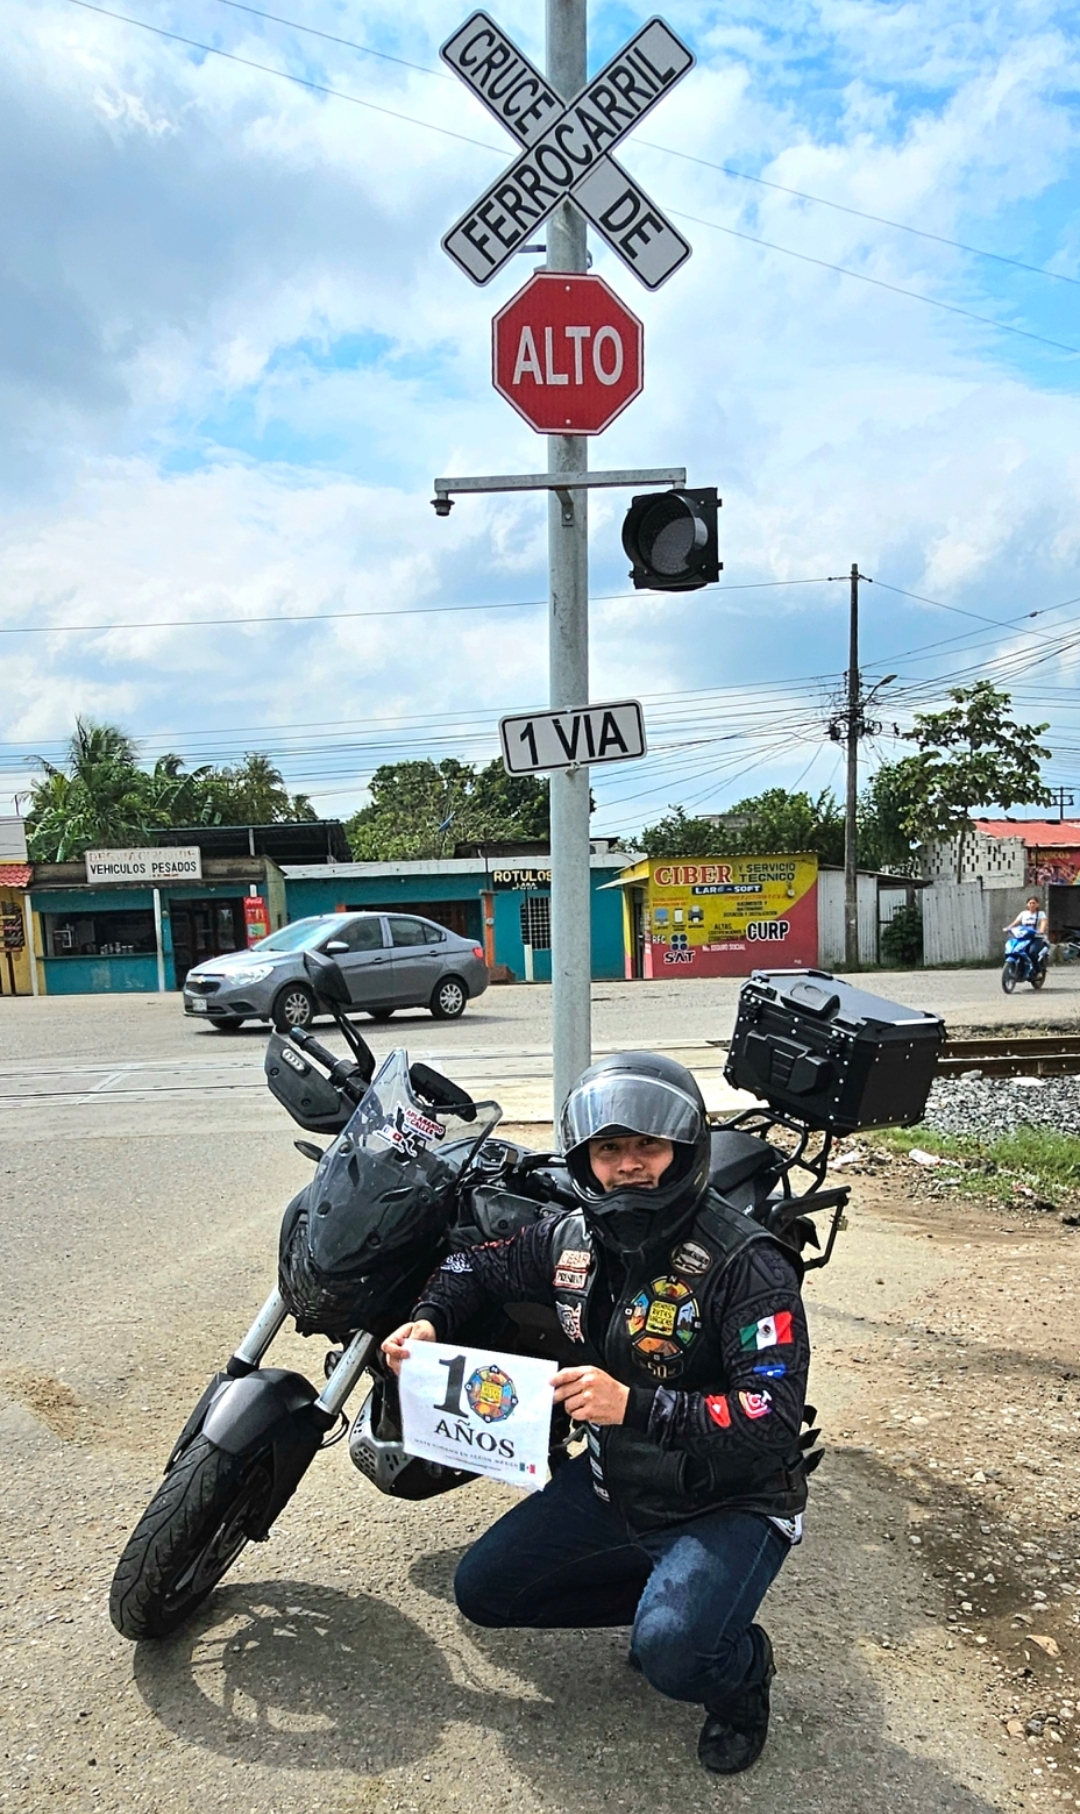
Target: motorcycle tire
pixel 190 1534
pixel 1008 978
pixel 1038 977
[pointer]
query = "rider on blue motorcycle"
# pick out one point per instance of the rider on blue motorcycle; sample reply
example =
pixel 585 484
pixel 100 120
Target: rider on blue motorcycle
pixel 1032 920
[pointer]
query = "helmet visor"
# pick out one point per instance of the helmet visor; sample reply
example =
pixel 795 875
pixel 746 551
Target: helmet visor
pixel 634 1105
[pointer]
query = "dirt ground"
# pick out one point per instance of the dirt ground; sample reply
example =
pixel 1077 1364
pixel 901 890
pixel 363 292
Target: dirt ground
pixel 926 1630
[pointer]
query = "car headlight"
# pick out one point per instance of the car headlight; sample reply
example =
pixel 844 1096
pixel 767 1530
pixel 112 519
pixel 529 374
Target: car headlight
pixel 256 974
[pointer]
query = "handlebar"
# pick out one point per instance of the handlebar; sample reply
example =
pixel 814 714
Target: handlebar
pixel 344 1074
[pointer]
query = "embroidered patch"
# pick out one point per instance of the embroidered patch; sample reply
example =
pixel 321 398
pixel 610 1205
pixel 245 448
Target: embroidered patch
pixel 756 1404
pixel 661 1321
pixel 456 1262
pixel 771 1369
pixel 691 1259
pixel 574 1256
pixel 719 1410
pixel 570 1278
pixel 570 1318
pixel 770 1332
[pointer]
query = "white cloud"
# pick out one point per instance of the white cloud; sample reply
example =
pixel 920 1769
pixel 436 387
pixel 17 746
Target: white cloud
pixel 236 358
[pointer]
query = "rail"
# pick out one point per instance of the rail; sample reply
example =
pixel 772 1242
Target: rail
pixel 1012 1055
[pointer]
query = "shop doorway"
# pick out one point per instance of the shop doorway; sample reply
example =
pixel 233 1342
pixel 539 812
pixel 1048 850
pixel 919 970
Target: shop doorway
pixel 202 929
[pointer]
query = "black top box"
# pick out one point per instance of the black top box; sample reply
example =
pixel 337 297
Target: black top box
pixel 830 1054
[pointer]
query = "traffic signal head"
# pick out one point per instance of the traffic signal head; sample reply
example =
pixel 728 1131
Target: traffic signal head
pixel 671 539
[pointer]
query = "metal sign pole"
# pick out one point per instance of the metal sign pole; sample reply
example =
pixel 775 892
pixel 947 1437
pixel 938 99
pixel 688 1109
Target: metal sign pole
pixel 568 564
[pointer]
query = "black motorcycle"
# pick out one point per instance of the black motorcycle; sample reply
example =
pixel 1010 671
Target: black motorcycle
pixel 412 1174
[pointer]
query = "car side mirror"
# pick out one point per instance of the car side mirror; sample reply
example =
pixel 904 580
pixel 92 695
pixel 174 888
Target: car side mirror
pixel 335 945
pixel 327 978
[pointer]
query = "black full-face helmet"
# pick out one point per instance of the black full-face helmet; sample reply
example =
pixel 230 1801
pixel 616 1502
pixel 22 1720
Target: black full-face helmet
pixel 638 1093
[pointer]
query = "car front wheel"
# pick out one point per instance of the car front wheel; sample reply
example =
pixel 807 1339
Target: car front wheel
pixel 448 998
pixel 294 1006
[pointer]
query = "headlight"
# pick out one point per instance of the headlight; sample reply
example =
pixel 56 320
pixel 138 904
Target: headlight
pixel 256 974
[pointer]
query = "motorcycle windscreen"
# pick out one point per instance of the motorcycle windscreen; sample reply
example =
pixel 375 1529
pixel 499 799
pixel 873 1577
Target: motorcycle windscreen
pixel 388 1179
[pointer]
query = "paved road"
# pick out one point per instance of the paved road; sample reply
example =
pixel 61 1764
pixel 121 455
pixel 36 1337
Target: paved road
pixel 103 1055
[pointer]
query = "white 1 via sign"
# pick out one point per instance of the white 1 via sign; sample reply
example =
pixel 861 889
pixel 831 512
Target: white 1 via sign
pixel 597 733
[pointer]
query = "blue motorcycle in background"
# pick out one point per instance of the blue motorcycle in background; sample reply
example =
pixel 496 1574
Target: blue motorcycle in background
pixel 1027 955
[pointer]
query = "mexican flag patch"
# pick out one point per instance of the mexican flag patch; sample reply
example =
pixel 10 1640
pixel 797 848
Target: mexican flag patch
pixel 771 1332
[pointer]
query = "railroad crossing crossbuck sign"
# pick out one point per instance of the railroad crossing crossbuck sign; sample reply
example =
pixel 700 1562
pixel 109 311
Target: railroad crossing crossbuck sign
pixel 567 150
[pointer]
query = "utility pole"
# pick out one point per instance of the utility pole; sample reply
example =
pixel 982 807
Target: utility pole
pixel 568 557
pixel 854 726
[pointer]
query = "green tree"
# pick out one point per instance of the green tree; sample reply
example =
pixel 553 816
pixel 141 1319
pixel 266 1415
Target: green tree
pixel 422 808
pixel 100 798
pixel 971 754
pixel 768 822
pixel 885 806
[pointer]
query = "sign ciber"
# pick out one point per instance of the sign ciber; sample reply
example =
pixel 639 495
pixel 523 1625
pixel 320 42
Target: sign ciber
pixel 567 354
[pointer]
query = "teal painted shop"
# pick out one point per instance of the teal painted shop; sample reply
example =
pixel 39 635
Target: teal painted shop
pixel 504 903
pixel 121 935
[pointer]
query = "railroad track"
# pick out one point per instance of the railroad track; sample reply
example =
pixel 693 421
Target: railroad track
pixel 1020 1055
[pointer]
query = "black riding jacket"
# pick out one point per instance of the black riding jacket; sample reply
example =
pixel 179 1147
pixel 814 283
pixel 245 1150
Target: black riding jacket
pixel 708 1332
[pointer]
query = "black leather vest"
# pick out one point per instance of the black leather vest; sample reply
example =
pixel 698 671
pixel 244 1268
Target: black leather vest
pixel 659 1330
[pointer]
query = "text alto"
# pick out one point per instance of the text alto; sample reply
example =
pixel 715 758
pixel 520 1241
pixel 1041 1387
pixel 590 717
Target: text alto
pixel 579 351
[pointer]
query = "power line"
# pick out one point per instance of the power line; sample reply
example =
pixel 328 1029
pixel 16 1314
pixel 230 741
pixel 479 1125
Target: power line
pixel 880 283
pixel 743 176
pixel 285 75
pixel 213 50
pixel 367 50
pixel 880 220
pixel 325 617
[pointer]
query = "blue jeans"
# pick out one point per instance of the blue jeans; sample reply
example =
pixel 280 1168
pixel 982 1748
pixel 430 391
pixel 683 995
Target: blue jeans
pixel 564 1558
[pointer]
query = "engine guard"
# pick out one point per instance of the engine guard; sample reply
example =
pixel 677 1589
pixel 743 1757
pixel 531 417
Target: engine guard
pixel 384 1461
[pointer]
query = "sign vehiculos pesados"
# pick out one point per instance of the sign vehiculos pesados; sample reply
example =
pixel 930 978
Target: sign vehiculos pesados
pixel 146 865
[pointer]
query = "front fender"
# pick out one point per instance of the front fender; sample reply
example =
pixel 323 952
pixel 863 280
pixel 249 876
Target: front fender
pixel 267 1409
pixel 248 1413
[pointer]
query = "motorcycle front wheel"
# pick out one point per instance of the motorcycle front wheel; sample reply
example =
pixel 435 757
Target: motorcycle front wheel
pixel 1008 977
pixel 190 1534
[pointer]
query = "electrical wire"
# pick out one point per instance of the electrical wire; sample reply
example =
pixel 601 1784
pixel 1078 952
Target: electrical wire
pixel 213 50
pixel 326 617
pixel 743 176
pixel 824 264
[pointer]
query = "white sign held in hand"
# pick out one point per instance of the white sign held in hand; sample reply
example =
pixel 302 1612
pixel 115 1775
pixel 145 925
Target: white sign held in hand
pixel 469 1408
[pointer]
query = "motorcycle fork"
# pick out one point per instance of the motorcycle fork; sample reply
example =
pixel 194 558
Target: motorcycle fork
pixel 250 1351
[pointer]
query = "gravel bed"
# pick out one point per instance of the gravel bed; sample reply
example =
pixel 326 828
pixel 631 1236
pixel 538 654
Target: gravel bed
pixel 989 1106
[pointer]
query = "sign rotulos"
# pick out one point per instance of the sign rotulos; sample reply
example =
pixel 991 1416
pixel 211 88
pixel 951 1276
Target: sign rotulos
pixel 567 151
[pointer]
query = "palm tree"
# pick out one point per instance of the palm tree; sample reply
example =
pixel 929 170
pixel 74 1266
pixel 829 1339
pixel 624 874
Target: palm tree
pixel 100 797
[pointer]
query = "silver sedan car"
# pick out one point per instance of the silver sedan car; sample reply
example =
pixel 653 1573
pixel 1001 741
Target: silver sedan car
pixel 389 960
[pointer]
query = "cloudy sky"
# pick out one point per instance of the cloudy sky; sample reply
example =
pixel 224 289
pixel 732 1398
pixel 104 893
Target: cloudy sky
pixel 233 356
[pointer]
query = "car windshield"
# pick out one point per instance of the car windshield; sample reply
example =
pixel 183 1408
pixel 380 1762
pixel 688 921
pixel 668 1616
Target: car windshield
pixel 297 936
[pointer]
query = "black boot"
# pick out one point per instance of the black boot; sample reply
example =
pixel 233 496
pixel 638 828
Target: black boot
pixel 733 1737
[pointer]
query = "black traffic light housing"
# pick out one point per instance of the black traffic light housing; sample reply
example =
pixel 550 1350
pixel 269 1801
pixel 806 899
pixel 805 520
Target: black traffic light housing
pixel 671 539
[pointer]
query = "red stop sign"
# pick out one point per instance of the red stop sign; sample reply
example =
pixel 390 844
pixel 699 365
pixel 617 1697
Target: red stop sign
pixel 567 354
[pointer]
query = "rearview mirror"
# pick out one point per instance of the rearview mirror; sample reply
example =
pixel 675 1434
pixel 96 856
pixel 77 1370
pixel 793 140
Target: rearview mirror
pixel 335 945
pixel 327 978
